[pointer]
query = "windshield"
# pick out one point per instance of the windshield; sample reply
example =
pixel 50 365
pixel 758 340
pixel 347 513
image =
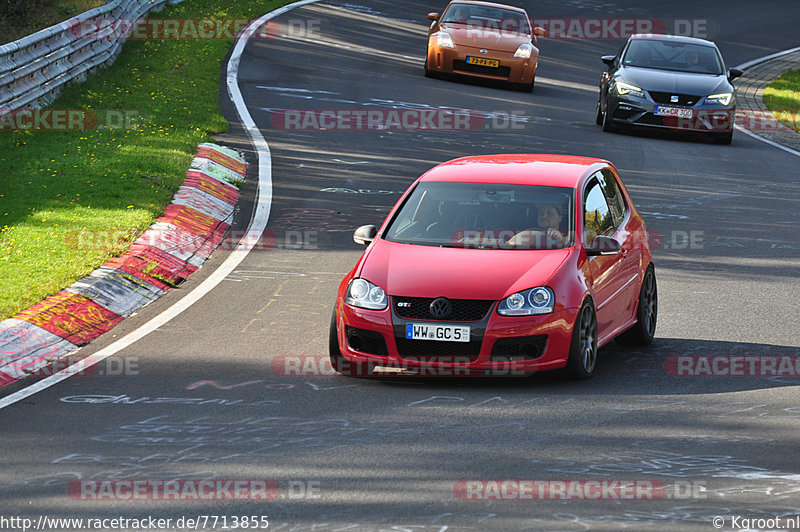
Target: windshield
pixel 485 216
pixel 488 18
pixel 673 56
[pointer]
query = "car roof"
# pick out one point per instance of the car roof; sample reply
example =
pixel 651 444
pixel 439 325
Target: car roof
pixel 488 4
pixel 522 169
pixel 674 38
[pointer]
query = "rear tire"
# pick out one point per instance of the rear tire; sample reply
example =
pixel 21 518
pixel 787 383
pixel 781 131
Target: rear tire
pixel 340 363
pixel 646 313
pixel 583 348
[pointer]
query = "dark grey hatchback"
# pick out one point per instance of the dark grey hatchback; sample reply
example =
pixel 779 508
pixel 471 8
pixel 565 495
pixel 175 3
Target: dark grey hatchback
pixel 666 81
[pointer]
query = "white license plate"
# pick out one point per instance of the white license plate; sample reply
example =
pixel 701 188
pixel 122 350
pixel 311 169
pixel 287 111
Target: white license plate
pixel 441 333
pixel 677 112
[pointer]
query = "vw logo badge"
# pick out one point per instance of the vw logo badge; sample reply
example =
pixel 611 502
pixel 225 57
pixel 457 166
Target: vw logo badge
pixel 440 308
pixel 484 51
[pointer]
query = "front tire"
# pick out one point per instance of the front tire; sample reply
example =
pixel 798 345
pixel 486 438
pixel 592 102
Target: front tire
pixel 583 348
pixel 598 114
pixel 646 313
pixel 608 124
pixel 526 87
pixel 428 73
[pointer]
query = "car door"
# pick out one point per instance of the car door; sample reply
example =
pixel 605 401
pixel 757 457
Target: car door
pixel 607 273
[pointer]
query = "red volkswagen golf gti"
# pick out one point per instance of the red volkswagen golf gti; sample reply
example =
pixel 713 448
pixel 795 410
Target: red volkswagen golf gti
pixel 498 264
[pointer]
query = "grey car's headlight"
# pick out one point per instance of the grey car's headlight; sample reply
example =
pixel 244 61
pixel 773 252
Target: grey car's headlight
pixel 539 300
pixel 524 51
pixel 626 88
pixel 443 40
pixel 364 294
pixel 723 98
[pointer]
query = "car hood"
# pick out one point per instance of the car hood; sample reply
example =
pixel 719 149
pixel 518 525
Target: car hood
pixel 502 41
pixel 457 273
pixel 677 82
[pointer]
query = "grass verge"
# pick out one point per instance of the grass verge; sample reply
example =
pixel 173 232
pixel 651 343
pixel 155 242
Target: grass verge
pixel 70 200
pixel 782 97
pixel 19 18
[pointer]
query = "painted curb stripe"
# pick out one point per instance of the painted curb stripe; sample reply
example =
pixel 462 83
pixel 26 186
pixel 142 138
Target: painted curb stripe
pixel 24 347
pixel 224 160
pixel 203 202
pixel 73 317
pixel 116 290
pixel 181 244
pixel 227 193
pixel 174 247
pixel 229 152
pixel 216 171
pixel 191 219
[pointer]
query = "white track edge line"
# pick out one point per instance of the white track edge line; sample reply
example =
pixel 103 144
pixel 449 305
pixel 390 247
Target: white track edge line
pixel 752 63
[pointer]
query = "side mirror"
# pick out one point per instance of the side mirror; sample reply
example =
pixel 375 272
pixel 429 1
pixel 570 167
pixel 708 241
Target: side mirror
pixel 609 59
pixel 734 73
pixel 365 234
pixel 539 31
pixel 433 16
pixel 603 245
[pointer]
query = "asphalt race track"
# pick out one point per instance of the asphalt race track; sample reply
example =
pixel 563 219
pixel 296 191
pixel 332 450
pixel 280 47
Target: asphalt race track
pixel 206 395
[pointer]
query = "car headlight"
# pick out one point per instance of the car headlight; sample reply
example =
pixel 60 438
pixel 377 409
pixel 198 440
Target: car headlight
pixel 723 98
pixel 524 51
pixel 362 293
pixel 539 300
pixel 443 40
pixel 626 88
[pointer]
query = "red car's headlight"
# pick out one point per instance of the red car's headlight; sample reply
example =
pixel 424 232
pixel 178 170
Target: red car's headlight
pixel 364 294
pixel 539 300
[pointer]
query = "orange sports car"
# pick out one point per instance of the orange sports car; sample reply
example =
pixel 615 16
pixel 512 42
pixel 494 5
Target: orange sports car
pixel 483 40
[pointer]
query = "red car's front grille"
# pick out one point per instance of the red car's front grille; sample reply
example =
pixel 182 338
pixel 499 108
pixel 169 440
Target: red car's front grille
pixel 418 308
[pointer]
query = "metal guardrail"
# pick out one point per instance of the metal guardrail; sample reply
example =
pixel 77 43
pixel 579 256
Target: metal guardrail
pixel 34 69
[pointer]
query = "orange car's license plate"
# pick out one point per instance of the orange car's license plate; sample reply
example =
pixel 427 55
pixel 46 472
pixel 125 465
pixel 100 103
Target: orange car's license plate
pixel 481 61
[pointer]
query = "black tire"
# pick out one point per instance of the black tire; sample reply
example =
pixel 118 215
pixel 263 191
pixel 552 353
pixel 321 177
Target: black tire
pixel 526 87
pixel 646 313
pixel 608 124
pixel 428 73
pixel 723 138
pixel 583 348
pixel 598 114
pixel 339 363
